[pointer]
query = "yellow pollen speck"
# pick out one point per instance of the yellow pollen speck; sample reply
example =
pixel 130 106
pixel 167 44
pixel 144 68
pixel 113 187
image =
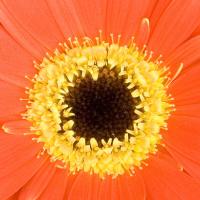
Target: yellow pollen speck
pixel 60 72
pixel 5 129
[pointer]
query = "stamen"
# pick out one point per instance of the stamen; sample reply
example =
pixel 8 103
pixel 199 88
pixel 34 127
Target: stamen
pixel 118 39
pixel 36 65
pixel 76 42
pixel 132 43
pixel 143 48
pixel 100 36
pixel 23 99
pixel 112 38
pixel 70 42
pixel 176 74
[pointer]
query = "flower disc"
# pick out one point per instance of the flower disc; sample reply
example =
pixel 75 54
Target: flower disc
pixel 99 107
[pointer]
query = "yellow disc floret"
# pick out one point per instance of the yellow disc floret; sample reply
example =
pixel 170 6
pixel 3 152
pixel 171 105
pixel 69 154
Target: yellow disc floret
pixel 58 73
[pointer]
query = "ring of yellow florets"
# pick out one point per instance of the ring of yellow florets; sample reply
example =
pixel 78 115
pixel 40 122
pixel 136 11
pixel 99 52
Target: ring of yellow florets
pixel 57 75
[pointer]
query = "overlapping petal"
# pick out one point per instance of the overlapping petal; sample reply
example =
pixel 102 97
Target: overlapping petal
pixel 18 162
pixel 36 186
pixel 55 189
pixel 10 103
pixel 175 25
pixel 15 61
pixel 31 24
pixel 164 180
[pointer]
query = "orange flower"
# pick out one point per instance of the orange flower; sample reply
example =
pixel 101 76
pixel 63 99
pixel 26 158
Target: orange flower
pixel 59 141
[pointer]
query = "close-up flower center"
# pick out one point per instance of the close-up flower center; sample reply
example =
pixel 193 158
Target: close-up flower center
pixel 103 108
pixel 99 107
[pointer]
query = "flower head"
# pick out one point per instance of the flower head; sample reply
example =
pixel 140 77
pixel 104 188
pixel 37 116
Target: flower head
pixel 89 114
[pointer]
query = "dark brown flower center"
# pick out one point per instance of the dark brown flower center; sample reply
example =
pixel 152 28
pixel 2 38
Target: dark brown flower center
pixel 103 108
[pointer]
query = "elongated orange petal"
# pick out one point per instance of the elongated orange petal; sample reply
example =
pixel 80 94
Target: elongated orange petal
pixel 190 166
pixel 66 17
pixel 85 184
pixel 9 101
pixel 124 17
pixel 188 53
pixel 18 162
pixel 31 25
pixel 34 188
pixel 15 61
pixel 18 127
pixel 132 187
pixel 158 10
pixel 164 180
pixel 175 25
pixel 183 136
pixel 143 33
pixel 185 89
pixel 55 190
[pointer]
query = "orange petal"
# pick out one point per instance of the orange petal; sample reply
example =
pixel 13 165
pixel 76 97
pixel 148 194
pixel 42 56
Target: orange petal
pixel 34 188
pixel 10 103
pixel 13 197
pixel 118 17
pixel 176 24
pixel 151 6
pixel 132 187
pixel 124 17
pixel 192 111
pixel 55 190
pixel 71 178
pixel 185 89
pixel 190 166
pixel 18 162
pixel 188 53
pixel 143 33
pixel 164 180
pixel 114 193
pixel 105 189
pixel 31 24
pixel 16 151
pixel 15 62
pixel 19 127
pixel 158 10
pixel 183 136
pixel 9 118
pixel 67 18
pixel 14 181
pixel 196 32
pixel 85 184
pixel 75 16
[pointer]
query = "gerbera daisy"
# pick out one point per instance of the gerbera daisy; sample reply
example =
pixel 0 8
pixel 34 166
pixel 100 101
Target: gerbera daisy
pixel 100 99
